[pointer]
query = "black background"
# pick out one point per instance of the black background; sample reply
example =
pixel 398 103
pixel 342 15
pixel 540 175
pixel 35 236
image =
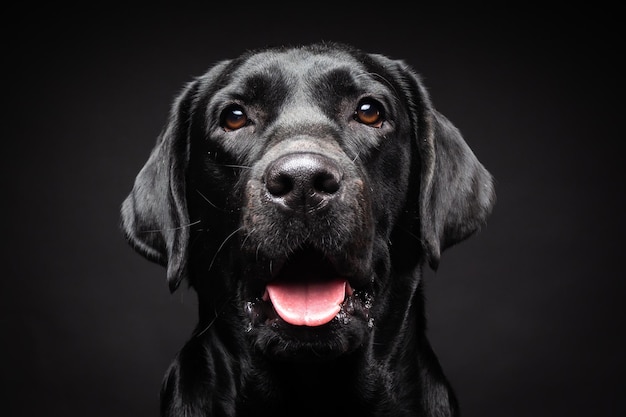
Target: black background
pixel 526 317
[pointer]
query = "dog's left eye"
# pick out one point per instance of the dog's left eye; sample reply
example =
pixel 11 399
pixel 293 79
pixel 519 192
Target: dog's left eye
pixel 370 112
pixel 233 117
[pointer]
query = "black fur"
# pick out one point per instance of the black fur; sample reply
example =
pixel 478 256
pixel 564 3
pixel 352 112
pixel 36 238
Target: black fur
pixel 305 185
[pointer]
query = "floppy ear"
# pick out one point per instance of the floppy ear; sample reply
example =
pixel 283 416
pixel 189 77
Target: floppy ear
pixel 456 191
pixel 154 215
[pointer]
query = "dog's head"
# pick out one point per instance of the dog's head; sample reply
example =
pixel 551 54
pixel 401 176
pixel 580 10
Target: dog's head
pixel 298 190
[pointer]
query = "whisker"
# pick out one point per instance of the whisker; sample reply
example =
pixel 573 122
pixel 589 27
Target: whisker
pixel 217 313
pixel 222 245
pixel 247 236
pixel 171 228
pixel 411 234
pixel 229 165
pixel 209 201
pixel 237 166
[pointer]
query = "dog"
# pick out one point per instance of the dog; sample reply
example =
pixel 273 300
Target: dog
pixel 300 191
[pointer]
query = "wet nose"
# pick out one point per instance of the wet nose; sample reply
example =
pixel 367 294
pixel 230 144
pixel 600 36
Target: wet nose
pixel 304 182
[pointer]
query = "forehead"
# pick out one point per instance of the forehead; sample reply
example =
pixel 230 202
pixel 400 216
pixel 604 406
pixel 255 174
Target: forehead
pixel 305 71
pixel 297 61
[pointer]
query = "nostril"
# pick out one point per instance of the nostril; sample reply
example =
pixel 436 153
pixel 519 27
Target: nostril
pixel 278 183
pixel 327 182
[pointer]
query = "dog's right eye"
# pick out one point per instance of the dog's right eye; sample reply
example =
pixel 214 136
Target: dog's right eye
pixel 233 117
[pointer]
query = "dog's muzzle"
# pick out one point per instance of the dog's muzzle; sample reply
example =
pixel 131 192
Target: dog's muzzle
pixel 305 225
pixel 304 183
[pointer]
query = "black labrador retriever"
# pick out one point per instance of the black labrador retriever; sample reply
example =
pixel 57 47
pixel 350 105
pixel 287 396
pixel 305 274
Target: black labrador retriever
pixel 299 191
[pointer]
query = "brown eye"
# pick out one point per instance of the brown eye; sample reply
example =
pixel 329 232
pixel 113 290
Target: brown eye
pixel 369 112
pixel 233 118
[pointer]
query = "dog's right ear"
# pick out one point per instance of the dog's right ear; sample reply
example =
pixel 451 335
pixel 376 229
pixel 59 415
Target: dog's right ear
pixel 154 215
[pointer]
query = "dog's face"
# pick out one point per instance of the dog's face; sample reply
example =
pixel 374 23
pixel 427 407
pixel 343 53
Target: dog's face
pixel 299 191
pixel 322 154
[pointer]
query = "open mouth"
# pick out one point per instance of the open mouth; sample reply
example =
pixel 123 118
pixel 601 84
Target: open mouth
pixel 307 290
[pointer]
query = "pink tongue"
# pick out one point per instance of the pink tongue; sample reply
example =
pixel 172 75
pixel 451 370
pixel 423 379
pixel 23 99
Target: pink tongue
pixel 307 303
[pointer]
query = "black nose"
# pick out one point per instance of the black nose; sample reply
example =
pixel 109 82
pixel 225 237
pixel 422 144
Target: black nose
pixel 303 181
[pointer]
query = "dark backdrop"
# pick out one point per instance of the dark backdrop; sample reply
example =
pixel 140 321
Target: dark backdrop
pixel 526 317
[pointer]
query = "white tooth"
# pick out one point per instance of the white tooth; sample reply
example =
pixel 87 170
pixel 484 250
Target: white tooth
pixel 266 296
pixel 349 290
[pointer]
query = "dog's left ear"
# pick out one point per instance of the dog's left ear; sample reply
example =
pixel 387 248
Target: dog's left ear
pixel 456 191
pixel 154 215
